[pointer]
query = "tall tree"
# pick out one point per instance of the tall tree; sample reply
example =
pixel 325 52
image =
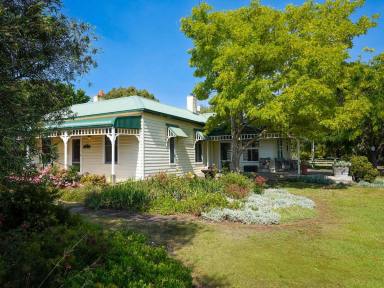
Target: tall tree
pixel 73 95
pixel 129 91
pixel 40 49
pixel 360 118
pixel 272 69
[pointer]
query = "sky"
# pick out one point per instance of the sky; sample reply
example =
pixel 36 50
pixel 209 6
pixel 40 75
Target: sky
pixel 142 45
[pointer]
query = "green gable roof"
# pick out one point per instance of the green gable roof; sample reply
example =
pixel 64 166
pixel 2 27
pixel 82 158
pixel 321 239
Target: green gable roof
pixel 131 104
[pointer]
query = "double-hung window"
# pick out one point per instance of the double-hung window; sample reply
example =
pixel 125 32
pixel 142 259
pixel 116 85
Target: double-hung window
pixel 172 150
pixel 252 153
pixel 198 152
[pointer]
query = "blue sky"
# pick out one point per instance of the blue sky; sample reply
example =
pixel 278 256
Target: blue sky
pixel 142 44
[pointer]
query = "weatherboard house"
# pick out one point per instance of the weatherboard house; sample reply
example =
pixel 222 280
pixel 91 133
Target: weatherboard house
pixel 134 137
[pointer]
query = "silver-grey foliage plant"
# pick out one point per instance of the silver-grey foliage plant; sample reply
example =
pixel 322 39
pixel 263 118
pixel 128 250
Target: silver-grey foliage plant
pixel 260 209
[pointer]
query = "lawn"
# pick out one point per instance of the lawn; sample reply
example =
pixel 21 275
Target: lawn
pixel 341 245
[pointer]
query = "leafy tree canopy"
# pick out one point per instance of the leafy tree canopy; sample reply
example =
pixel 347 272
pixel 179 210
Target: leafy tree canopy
pixel 129 91
pixel 40 49
pixel 360 118
pixel 269 68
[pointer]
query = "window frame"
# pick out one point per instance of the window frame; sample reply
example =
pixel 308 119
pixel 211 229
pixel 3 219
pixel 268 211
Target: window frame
pixel 199 144
pixel 172 152
pixel 254 147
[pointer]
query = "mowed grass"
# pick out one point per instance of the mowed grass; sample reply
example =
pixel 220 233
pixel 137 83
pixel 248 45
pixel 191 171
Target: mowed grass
pixel 341 244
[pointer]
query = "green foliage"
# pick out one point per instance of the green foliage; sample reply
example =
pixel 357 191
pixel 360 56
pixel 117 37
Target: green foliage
pixel 311 179
pixel 362 169
pixel 274 69
pixel 40 50
pixel 79 194
pixel 131 195
pixel 84 255
pixel 360 119
pixel 236 185
pixel 92 179
pixel 29 206
pixel 167 194
pixel 129 91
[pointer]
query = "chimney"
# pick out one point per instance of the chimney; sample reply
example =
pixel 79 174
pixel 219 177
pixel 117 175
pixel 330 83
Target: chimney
pixel 99 97
pixel 192 103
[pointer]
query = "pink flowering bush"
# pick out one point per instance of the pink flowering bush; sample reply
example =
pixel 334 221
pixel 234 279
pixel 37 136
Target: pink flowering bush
pixel 51 176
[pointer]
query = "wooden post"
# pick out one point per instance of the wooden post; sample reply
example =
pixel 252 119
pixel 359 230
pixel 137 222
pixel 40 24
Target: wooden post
pixel 65 137
pixel 112 137
pixel 208 160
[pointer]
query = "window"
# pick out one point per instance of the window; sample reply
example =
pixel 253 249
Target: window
pixel 172 150
pixel 108 151
pixel 252 153
pixel 198 152
pixel 225 149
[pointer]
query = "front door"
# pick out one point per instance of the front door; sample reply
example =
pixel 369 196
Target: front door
pixel 76 153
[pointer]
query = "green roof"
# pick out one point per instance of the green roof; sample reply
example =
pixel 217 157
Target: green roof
pixel 131 104
pixel 131 122
pixel 178 131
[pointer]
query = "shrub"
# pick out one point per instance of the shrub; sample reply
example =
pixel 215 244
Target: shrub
pixel 29 206
pixel 236 185
pixel 260 182
pixel 92 179
pixel 131 195
pixel 162 193
pixel 362 169
pixel 51 176
pixel 86 256
pixel 79 194
pixel 236 191
pixel 312 179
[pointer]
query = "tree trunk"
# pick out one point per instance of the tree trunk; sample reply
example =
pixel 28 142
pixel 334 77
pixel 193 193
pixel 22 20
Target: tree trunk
pixel 236 146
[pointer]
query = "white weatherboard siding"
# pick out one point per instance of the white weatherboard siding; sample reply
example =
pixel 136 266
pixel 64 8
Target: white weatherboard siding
pixel 156 158
pixel 92 159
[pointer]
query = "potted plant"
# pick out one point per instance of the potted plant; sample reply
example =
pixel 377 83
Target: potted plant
pixel 341 168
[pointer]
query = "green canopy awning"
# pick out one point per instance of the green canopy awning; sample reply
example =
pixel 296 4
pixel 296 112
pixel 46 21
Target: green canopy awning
pixel 129 122
pixel 178 132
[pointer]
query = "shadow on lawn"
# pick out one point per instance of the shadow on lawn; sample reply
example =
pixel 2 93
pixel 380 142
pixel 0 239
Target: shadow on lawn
pixel 211 282
pixel 172 232
pixel 169 231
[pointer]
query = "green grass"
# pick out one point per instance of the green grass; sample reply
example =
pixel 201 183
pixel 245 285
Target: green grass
pixel 295 213
pixel 341 244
